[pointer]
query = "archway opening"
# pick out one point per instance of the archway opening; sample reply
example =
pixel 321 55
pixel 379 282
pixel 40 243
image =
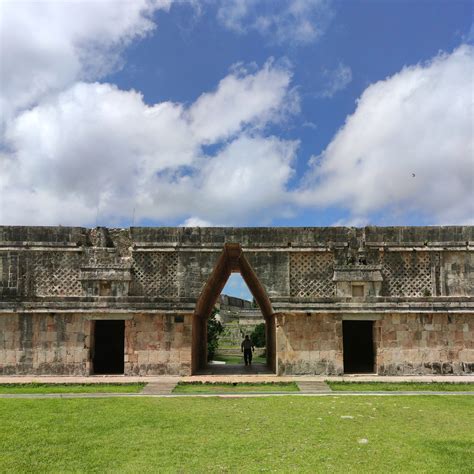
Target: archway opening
pixel 231 261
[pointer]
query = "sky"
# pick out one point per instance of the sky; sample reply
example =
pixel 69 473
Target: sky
pixel 236 112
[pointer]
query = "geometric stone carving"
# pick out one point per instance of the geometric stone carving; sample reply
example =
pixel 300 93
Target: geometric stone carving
pixel 407 273
pixel 106 280
pixel 367 278
pixel 357 273
pixel 311 274
pixel 56 273
pixel 155 273
pixel 8 272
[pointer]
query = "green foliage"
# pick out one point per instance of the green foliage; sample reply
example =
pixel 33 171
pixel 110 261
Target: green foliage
pixel 214 329
pixel 258 335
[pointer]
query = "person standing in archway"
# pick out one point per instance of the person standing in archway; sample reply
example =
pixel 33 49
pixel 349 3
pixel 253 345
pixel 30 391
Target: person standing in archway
pixel 247 348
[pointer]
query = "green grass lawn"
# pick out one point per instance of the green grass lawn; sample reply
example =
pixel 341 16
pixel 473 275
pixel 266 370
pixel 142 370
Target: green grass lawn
pixel 36 387
pixel 401 386
pixel 232 359
pixel 200 387
pixel 278 434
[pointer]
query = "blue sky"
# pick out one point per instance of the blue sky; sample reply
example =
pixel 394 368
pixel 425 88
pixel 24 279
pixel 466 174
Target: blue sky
pixel 226 112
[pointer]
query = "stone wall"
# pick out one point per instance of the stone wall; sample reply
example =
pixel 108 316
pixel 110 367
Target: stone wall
pixel 416 283
pixel 37 344
pixel 405 344
pixel 309 344
pixel 174 263
pixel 60 344
pixel 157 344
pixel 422 344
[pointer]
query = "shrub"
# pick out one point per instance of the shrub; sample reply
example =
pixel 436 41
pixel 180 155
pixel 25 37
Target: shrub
pixel 214 328
pixel 258 335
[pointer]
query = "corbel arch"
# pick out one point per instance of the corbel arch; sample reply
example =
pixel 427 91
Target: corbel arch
pixel 231 260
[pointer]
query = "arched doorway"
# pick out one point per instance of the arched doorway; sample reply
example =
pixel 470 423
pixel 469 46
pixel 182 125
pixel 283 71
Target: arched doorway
pixel 230 261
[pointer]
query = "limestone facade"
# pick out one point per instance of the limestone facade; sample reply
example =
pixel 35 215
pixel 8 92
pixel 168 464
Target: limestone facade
pixel 61 344
pixel 405 343
pixel 414 285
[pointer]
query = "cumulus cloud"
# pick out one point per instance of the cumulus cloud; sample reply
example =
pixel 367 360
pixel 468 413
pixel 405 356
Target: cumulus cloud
pixel 261 92
pixel 95 149
pixel 336 80
pixel 293 21
pixel 408 147
pixel 46 46
pixel 196 222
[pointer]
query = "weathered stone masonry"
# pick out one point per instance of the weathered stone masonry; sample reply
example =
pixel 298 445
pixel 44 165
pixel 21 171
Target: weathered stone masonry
pixel 413 286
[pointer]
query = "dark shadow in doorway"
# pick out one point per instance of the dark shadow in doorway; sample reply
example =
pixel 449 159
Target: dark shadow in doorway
pixel 109 340
pixel 358 347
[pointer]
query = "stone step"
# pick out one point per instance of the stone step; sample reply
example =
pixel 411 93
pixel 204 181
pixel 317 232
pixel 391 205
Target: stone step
pixel 165 388
pixel 313 386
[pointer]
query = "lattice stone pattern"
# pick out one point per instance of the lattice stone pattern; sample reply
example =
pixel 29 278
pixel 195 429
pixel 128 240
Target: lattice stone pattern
pixel 311 274
pixel 407 273
pixel 8 271
pixel 57 273
pixel 155 273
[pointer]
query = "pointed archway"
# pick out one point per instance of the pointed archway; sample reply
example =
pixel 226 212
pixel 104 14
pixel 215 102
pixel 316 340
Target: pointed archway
pixel 231 260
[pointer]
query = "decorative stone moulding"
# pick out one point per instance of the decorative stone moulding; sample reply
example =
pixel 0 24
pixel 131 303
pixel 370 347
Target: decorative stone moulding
pixel 110 280
pixel 357 273
pixel 358 280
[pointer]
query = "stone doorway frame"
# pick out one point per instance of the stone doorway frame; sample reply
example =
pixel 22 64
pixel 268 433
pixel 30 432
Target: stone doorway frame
pixel 231 260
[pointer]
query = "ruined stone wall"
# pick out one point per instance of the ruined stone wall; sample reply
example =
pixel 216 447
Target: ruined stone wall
pixel 309 344
pixel 422 344
pixel 175 263
pixel 39 344
pixel 157 344
pixel 54 280
pixel 60 344
pixel 405 344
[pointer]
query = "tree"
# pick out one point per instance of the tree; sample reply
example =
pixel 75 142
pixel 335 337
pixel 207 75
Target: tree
pixel 214 328
pixel 258 335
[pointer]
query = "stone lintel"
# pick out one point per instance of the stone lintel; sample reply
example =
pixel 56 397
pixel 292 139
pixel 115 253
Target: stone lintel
pixel 104 274
pixel 362 317
pixel 358 273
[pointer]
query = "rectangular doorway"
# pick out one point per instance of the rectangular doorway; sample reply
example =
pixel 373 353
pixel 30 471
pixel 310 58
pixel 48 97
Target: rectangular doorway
pixel 109 344
pixel 358 346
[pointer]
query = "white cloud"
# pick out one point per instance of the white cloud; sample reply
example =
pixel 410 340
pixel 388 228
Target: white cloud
pixel 408 147
pixel 46 46
pixel 292 21
pixel 94 149
pixel 242 98
pixel 196 222
pixel 247 179
pixel 336 80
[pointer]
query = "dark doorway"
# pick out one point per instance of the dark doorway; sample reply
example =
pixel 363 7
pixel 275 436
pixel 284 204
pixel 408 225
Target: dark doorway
pixel 109 347
pixel 358 345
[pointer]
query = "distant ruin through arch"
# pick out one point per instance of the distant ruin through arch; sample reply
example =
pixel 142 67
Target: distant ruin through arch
pixel 231 260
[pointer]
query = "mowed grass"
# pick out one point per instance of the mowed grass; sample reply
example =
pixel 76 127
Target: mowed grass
pixel 237 387
pixel 234 360
pixel 400 386
pixel 279 434
pixel 35 387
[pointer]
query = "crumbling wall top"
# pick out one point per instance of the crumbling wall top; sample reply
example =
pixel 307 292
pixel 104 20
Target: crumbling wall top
pixel 246 236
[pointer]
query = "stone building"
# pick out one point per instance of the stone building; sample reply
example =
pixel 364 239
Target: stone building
pixel 393 300
pixel 239 318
